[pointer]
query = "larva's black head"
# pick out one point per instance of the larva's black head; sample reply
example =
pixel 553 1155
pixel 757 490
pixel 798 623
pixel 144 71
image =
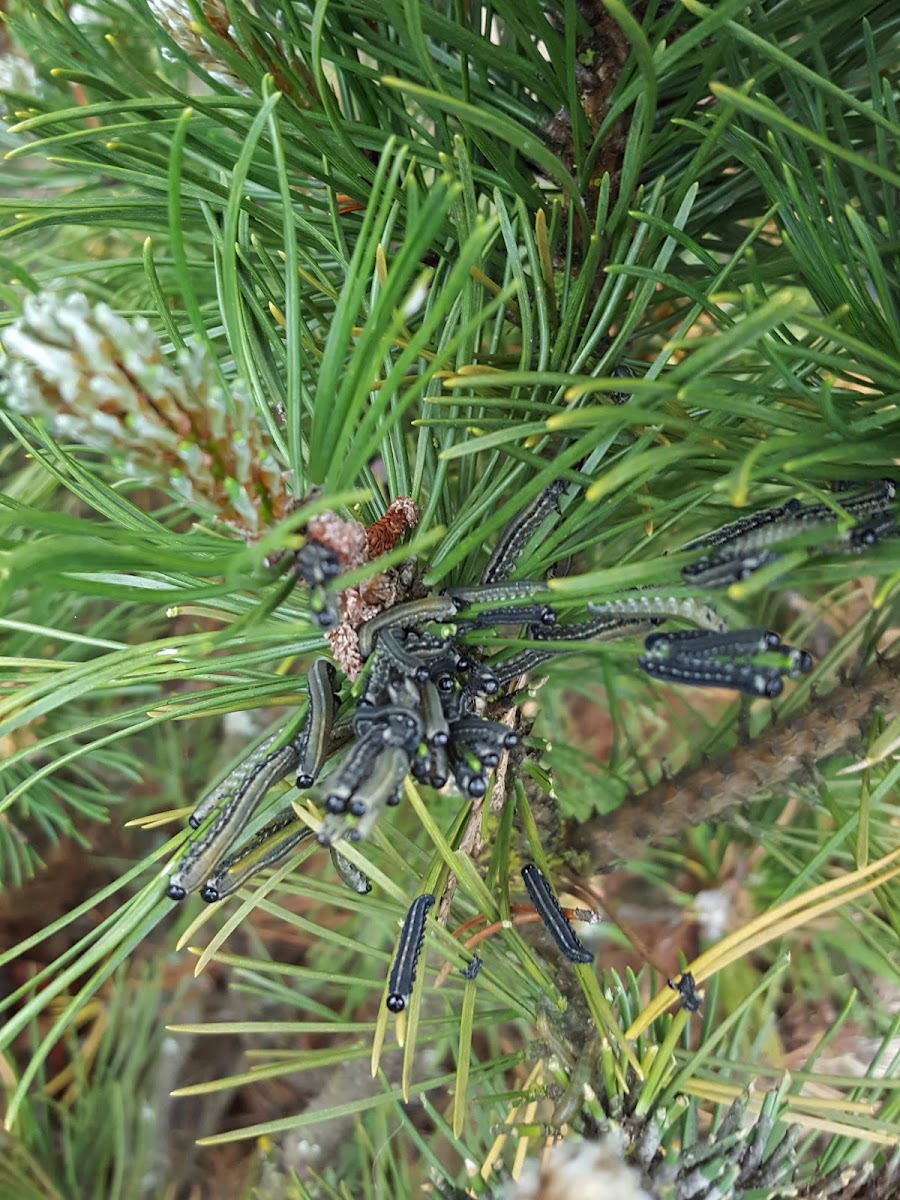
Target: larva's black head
pixel 476 787
pixel 445 684
pixel 209 894
pixel 510 741
pixel 771 640
pixel 358 807
pixel 304 781
pixel 176 892
pixel 773 687
pixel 396 1003
pixel 803 662
pixel 335 804
pixel 548 616
pixel 864 536
pixel 194 823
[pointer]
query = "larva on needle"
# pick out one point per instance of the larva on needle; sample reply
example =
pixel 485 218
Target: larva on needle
pixel 232 782
pixel 743 677
pixel 647 604
pixel 350 875
pixel 409 947
pixel 206 847
pixel 520 530
pixel 555 920
pixel 404 616
pixel 315 740
pixel 274 843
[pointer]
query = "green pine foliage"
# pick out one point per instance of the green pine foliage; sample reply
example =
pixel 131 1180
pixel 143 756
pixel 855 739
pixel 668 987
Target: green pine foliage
pixel 455 251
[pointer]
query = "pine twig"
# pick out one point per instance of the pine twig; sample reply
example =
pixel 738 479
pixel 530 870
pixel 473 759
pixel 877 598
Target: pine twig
pixel 780 756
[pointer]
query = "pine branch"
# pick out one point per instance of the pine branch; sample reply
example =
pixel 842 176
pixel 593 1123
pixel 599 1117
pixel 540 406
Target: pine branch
pixel 785 754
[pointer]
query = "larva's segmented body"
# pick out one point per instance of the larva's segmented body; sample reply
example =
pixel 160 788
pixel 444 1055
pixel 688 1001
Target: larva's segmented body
pixel 316 564
pixel 555 920
pixel 232 782
pixel 379 672
pixel 341 783
pixel 744 677
pixel 350 875
pixel 274 843
pixel 521 664
pixel 519 532
pixel 437 729
pixel 404 616
pixel 699 642
pixel 403 660
pixel 723 659
pixel 412 938
pixel 439 767
pixel 315 740
pixel 541 615
pixel 746 545
pixel 649 605
pixel 205 849
pixel 601 629
pixel 867 502
pixel 381 787
pixel 397 724
pixel 495 594
pixel 722 572
pixel 493 733
pixel 745 525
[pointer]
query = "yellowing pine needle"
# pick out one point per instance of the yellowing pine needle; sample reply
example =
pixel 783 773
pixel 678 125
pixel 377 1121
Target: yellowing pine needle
pixel 793 914
pixel 240 914
pixel 157 820
pixel 496 1150
pixel 524 1142
pixel 796 1112
pixel 195 926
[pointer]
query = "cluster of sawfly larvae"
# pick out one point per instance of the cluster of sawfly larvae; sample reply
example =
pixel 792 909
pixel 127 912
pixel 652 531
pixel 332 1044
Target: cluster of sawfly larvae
pixel 419 705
